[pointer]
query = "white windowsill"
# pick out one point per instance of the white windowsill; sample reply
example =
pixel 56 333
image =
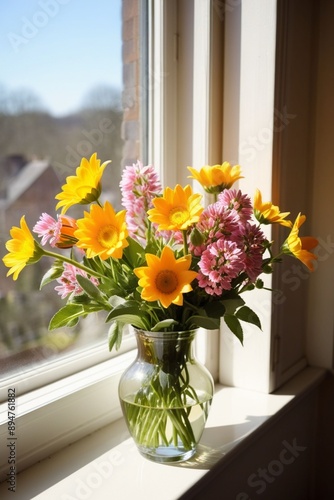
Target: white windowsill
pixel 106 464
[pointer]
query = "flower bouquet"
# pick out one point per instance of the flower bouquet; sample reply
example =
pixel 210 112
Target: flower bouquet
pixel 163 264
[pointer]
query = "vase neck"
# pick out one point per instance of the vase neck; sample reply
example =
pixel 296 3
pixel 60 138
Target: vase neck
pixel 162 348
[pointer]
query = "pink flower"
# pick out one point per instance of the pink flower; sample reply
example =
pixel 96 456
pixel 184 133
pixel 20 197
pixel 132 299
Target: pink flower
pixel 68 281
pixel 216 222
pixel 60 232
pixel 235 200
pixel 253 240
pixel 48 228
pixel 139 185
pixel 222 261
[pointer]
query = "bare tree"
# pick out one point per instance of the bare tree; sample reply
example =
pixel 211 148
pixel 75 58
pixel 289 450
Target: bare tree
pixel 103 97
pixel 23 101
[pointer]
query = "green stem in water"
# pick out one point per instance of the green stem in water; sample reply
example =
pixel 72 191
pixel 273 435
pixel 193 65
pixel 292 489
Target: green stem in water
pixel 164 408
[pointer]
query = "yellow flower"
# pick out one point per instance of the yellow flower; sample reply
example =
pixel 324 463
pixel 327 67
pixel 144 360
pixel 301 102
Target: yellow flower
pixel 165 279
pixel 102 232
pixel 23 249
pixel 299 246
pixel 177 209
pixel 84 187
pixel 267 213
pixel 216 178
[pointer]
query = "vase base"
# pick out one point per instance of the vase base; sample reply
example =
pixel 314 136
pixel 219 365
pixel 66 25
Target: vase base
pixel 166 454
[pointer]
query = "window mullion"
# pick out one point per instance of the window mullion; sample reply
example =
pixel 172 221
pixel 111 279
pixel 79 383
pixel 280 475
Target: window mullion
pixel 163 89
pixel 249 83
pixel 206 127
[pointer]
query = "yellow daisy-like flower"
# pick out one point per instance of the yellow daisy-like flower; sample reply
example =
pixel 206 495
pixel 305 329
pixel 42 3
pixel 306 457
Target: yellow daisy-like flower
pixel 23 249
pixel 84 187
pixel 177 209
pixel 102 232
pixel 216 178
pixel 267 213
pixel 165 279
pixel 300 247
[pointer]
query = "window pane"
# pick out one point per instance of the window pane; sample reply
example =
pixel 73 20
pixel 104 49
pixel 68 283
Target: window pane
pixel 69 87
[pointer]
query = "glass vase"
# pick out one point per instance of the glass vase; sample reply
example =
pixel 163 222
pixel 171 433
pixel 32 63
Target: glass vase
pixel 166 395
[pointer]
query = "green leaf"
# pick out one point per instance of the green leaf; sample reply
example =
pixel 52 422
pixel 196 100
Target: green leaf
pixel 72 323
pixel 115 334
pixel 115 301
pixel 205 322
pixel 52 274
pixel 132 319
pixel 134 253
pixel 130 313
pixel 81 299
pixel 247 314
pixel 129 307
pixel 234 325
pixel 232 304
pixel 67 316
pixel 215 309
pixel 89 287
pixel 166 323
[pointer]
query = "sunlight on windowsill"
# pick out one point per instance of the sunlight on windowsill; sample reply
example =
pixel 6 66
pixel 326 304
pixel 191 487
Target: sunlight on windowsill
pixel 106 464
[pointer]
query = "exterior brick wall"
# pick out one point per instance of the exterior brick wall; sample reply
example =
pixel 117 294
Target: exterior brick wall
pixel 131 81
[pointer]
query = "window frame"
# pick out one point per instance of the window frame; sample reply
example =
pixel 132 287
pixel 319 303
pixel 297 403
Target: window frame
pixel 248 110
pixel 52 415
pixel 36 376
pixel 60 401
pixel 90 396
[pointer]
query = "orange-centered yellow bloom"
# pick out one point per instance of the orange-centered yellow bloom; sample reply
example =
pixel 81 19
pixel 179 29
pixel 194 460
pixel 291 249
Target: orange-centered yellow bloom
pixel 177 209
pixel 216 178
pixel 267 213
pixel 84 187
pixel 102 232
pixel 300 247
pixel 165 278
pixel 23 249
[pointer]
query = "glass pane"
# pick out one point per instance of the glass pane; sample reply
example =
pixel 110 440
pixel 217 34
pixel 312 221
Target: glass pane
pixel 69 83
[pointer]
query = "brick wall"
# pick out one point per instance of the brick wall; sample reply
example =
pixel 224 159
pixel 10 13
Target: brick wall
pixel 131 81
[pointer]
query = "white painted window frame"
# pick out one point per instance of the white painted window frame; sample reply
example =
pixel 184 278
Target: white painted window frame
pixel 251 29
pixel 249 84
pixel 52 414
pixel 182 128
pixel 59 413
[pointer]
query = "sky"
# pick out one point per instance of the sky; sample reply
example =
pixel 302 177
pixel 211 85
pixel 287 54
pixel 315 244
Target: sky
pixel 60 49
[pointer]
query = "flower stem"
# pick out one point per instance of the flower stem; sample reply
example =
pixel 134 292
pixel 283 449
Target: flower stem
pixel 185 243
pixel 57 256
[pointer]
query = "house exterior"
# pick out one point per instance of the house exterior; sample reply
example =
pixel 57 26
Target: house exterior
pixel 29 192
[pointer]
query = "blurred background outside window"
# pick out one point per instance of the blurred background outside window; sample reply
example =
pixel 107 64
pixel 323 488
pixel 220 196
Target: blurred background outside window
pixel 70 85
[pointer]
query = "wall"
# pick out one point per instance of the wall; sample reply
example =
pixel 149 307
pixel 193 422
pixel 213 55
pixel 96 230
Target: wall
pixel 274 463
pixel 131 81
pixel 288 457
pixel 320 337
pixel 324 463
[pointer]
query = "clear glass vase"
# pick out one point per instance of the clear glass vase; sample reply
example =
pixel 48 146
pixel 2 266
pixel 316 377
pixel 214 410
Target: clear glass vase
pixel 166 395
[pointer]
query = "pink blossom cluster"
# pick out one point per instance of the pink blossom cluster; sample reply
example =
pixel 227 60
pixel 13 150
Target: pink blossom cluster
pixel 68 283
pixel 232 245
pixel 139 185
